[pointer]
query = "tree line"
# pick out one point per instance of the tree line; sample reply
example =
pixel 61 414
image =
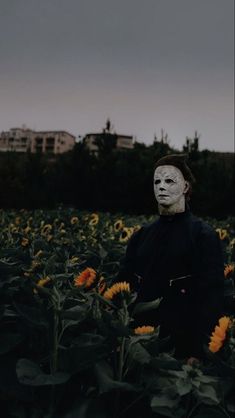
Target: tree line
pixel 113 180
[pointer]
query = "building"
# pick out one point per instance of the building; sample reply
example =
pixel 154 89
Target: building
pixel 120 142
pixel 16 139
pixel 48 142
pixel 52 142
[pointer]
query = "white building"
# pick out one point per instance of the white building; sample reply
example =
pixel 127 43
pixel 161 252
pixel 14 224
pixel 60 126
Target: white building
pixel 121 142
pixel 24 139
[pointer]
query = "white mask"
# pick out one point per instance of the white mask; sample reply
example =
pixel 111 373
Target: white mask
pixel 169 189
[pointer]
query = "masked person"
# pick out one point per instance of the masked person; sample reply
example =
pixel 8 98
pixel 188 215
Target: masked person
pixel 177 258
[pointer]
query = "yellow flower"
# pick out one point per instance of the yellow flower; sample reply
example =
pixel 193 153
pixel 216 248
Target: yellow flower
pixel 86 278
pixel 232 243
pixel 44 281
pixel 17 220
pixel 145 329
pixel 13 228
pixel 136 228
pixel 222 233
pixel 224 323
pixel 24 242
pixel 118 225
pixel 74 260
pixel 94 219
pixel 219 334
pixel 74 220
pixel 27 229
pixel 39 253
pixel 29 221
pixel 46 229
pixel 229 269
pixel 126 234
pixel 117 288
pixel 41 283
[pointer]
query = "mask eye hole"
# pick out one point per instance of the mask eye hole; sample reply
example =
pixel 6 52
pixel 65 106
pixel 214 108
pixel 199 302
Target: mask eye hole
pixel 157 181
pixel 169 181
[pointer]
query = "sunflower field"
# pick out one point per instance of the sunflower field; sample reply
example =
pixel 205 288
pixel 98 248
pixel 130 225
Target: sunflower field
pixel 68 348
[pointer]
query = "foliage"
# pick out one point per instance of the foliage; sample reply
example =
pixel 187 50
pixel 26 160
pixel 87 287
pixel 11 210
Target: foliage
pixel 68 350
pixel 114 180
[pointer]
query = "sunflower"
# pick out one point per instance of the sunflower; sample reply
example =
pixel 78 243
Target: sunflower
pixel 39 253
pixel 119 287
pixel 86 278
pixel 46 229
pixel 125 234
pixel 223 233
pixel 13 228
pixel 118 225
pixel 24 242
pixel 74 220
pixel 27 229
pixel 74 260
pixel 229 269
pixel 41 283
pixel 44 281
pixel 136 228
pixel 62 225
pixel 94 219
pixel 232 243
pixel 145 329
pixel 17 220
pixel 219 334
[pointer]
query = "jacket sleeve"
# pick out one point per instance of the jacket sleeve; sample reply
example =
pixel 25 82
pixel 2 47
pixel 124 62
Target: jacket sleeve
pixel 209 272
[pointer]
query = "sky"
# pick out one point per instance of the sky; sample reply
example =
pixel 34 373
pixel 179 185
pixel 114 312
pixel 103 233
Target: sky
pixel 147 65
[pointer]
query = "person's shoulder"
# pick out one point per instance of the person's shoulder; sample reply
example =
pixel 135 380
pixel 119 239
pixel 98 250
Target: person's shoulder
pixel 150 226
pixel 145 229
pixel 202 227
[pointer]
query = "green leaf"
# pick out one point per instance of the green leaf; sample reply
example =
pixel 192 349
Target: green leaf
pixel 40 244
pixel 146 306
pixel 163 404
pixel 85 351
pixel 166 362
pixel 29 373
pixel 51 265
pixel 106 381
pixel 183 386
pixel 33 315
pixel 78 313
pixel 139 354
pixel 102 252
pixel 8 341
pixel 208 394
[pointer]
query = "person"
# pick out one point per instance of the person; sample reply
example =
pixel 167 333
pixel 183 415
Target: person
pixel 177 258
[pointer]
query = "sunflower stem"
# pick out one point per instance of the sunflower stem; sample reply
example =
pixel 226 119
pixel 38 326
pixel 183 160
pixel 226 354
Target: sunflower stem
pixel 125 319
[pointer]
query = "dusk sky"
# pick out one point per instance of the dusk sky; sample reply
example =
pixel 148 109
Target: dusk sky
pixel 147 65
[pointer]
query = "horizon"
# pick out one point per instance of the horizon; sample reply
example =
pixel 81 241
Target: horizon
pixel 158 65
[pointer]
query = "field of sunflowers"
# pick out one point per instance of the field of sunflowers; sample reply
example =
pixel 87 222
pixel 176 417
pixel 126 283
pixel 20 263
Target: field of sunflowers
pixel 68 348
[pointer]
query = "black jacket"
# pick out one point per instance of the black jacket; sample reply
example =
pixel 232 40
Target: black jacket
pixel 178 258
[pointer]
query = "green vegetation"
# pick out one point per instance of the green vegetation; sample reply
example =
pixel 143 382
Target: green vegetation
pixel 114 181
pixel 68 347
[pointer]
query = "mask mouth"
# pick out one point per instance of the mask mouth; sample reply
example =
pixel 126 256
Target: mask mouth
pixel 162 195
